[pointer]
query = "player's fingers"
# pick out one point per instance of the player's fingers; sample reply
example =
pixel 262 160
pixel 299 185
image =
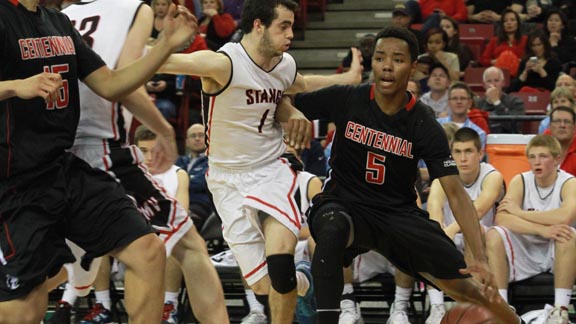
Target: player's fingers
pixel 299 136
pixel 186 14
pixel 172 11
pixel 307 135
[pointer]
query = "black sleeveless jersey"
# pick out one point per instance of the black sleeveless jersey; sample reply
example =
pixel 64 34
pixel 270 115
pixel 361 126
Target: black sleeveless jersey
pixel 374 156
pixel 34 133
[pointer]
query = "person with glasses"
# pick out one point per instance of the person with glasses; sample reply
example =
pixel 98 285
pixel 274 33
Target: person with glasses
pixel 561 96
pixel 535 225
pixel 562 128
pixel 460 101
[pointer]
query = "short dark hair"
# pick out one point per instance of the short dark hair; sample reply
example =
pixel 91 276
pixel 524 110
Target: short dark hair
pixel 403 34
pixel 265 10
pixel 460 85
pixel 566 109
pixel 143 134
pixel 466 134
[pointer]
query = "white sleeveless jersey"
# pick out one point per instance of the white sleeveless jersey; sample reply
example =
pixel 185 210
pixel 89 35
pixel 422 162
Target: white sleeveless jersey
pixel 241 130
pixel 538 201
pixel 474 191
pixel 168 180
pixel 104 24
pixel 303 181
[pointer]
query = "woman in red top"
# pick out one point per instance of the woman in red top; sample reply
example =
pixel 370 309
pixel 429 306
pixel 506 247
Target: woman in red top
pixel 508 38
pixel 217 25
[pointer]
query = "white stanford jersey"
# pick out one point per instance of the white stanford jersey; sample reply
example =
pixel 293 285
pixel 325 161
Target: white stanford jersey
pixel 304 179
pixel 543 199
pixel 104 25
pixel 241 130
pixel 168 180
pixel 473 192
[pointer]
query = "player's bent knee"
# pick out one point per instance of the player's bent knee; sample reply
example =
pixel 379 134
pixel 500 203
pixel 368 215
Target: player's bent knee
pixel 331 223
pixel 282 272
pixel 493 239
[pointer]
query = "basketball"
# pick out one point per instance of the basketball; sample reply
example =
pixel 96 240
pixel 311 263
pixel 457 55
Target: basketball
pixel 468 314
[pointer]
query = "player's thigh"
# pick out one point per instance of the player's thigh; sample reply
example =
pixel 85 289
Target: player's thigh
pixel 279 238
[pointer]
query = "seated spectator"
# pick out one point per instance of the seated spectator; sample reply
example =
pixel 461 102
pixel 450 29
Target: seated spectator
pixel 160 9
pixel 497 102
pixel 488 12
pixel 460 98
pixel 560 97
pixel 463 51
pixel 430 12
pixel 437 97
pixel 539 69
pixel 195 162
pixel 162 90
pixel 436 40
pixel 561 39
pixel 485 186
pixel 216 26
pixel 422 72
pixel 562 128
pixel 403 16
pixel 508 42
pixel 534 232
pixel 366 47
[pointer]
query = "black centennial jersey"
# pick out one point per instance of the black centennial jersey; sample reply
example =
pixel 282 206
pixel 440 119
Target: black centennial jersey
pixel 34 133
pixel 374 156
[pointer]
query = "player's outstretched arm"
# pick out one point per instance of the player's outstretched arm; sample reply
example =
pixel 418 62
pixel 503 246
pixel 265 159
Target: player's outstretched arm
pixel 115 84
pixel 307 83
pixel 210 66
pixel 44 85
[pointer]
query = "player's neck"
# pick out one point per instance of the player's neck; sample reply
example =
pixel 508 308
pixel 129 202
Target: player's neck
pixel 547 181
pixel 392 103
pixel 256 53
pixel 30 4
pixel 469 179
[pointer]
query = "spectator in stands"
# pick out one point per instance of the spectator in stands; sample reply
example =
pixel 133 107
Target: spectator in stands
pixel 414 87
pixel 196 164
pixel 217 26
pixel 485 186
pixel 160 8
pixel 163 91
pixel 462 50
pixel 437 97
pixel 508 40
pixel 566 6
pixel 534 232
pixel 195 6
pixel 429 12
pixel 403 16
pixel 539 69
pixel 561 38
pixel 175 182
pixel 482 11
pixel 460 99
pixel 436 41
pixel 497 102
pixel 560 97
pixel 566 81
pixel 366 47
pixel 562 128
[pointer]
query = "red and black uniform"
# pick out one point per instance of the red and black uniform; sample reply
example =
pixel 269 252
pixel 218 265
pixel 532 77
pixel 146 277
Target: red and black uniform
pixel 46 194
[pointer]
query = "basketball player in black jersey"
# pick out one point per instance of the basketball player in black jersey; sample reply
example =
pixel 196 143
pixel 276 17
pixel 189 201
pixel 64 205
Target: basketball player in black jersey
pixel 46 194
pixel 369 200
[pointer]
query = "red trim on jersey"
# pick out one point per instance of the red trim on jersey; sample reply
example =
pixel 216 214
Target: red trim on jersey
pixel 82 287
pixel 135 155
pixel 511 253
pixel 295 222
pixel 105 147
pixel 14 2
pixel 290 195
pixel 7 233
pixel 260 266
pixel 9 157
pixel 113 117
pixel 409 105
pixel 209 128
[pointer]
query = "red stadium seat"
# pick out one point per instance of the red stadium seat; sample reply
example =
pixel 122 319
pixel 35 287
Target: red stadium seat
pixel 535 103
pixel 476 31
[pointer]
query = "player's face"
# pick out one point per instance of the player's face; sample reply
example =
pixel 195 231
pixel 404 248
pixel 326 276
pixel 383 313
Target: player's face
pixel 562 126
pixel 391 65
pixel 146 148
pixel 542 163
pixel 467 157
pixel 278 36
pixel 195 139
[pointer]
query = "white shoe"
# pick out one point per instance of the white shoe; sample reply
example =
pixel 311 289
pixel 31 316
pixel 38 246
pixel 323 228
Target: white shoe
pixel 558 315
pixel 349 313
pixel 398 314
pixel 437 312
pixel 254 318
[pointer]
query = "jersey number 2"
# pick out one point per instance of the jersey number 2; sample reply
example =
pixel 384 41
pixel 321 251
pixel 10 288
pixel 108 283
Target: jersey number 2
pixel 375 168
pixel 63 92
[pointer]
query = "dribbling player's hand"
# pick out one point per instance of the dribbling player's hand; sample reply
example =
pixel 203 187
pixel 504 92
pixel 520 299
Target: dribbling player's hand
pixel 164 153
pixel 180 27
pixel 481 272
pixel 44 85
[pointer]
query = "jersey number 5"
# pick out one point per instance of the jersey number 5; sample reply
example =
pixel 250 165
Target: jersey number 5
pixel 63 92
pixel 375 168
